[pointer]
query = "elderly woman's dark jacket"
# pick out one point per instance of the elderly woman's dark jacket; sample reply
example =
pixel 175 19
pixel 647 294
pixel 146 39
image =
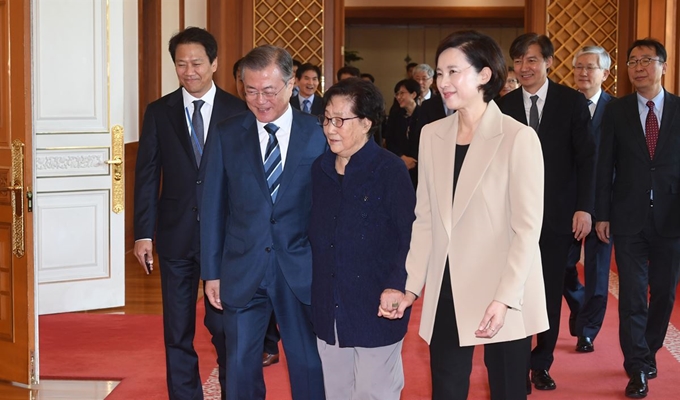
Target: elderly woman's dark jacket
pixel 360 230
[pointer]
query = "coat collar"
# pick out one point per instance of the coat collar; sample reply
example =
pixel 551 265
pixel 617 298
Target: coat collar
pixel 482 150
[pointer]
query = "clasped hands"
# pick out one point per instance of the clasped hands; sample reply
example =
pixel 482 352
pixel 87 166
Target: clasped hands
pixel 393 303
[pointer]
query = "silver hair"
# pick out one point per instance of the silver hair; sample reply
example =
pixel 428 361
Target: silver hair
pixel 604 61
pixel 424 68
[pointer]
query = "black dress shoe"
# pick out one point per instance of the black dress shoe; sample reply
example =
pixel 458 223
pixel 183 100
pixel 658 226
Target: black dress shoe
pixel 542 380
pixel 637 385
pixel 651 372
pixel 584 344
pixel 269 359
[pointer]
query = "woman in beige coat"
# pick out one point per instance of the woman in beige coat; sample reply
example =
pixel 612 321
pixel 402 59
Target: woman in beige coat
pixel 478 220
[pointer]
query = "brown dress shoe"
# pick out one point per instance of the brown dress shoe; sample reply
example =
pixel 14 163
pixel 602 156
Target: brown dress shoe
pixel 269 359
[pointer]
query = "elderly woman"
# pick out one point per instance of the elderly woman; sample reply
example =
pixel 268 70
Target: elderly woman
pixel 360 229
pixel 401 134
pixel 478 222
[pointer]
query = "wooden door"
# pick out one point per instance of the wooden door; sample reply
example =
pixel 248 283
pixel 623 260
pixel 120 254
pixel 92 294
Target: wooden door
pixel 17 314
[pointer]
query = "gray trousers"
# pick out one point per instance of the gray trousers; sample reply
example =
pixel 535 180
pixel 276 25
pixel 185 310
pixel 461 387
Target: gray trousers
pixel 361 373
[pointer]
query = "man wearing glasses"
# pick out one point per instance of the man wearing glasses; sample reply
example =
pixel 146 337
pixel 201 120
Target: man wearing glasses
pixel 638 204
pixel 588 304
pixel 256 209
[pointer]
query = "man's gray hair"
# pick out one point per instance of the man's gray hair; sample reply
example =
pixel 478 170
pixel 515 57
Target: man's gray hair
pixel 604 61
pixel 263 56
pixel 424 68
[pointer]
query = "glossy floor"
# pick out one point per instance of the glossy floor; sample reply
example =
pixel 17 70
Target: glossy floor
pixel 142 296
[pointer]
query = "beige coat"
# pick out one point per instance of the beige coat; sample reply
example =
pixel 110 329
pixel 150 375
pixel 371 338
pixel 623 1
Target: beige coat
pixel 490 233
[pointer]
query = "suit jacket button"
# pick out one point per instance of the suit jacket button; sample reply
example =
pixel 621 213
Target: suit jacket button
pixel 273 221
pixel 194 208
pixel 268 249
pixel 198 182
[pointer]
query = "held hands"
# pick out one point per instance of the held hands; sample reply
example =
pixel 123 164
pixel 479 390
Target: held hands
pixel 393 303
pixel 602 230
pixel 212 292
pixel 493 320
pixel 409 161
pixel 581 224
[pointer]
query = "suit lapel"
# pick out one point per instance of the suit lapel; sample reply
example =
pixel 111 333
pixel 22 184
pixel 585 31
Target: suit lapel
pixel 632 116
pixel 667 121
pixel 250 141
pixel 177 117
pixel 299 138
pixel 596 121
pixel 482 150
pixel 443 158
pixel 514 106
pixel 550 108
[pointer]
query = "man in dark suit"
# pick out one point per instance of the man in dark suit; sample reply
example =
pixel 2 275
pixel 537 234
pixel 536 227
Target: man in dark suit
pixel 560 117
pixel 256 210
pixel 307 77
pixel 588 304
pixel 638 203
pixel 170 161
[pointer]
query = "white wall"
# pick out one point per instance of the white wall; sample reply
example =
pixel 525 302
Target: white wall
pixel 384 48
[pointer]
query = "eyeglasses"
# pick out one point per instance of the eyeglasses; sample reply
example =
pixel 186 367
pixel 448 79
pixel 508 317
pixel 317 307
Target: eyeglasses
pixel 336 121
pixel 588 68
pixel 645 61
pixel 267 94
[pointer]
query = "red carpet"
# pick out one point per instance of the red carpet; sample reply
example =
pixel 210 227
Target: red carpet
pixel 95 346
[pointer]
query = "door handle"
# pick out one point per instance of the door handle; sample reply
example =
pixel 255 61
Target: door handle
pixel 115 161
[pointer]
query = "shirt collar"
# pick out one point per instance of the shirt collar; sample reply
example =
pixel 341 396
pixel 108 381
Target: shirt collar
pixel 285 121
pixel 208 97
pixel 658 101
pixel 542 92
pixel 303 98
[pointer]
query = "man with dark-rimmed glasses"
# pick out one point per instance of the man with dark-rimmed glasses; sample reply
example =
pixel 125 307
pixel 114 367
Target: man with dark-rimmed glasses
pixel 638 204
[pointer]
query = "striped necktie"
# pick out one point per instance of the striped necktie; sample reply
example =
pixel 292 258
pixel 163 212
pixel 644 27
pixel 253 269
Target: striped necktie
pixel 273 167
pixel 305 106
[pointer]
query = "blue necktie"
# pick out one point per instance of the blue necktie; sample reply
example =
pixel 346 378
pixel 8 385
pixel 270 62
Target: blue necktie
pixel 197 140
pixel 273 167
pixel 305 106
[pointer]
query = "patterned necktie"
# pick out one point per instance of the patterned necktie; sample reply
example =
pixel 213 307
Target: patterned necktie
pixel 533 113
pixel 197 139
pixel 273 167
pixel 590 110
pixel 651 129
pixel 305 106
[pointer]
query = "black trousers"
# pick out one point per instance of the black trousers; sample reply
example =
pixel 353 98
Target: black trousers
pixel 451 364
pixel 179 290
pixel 554 250
pixel 647 263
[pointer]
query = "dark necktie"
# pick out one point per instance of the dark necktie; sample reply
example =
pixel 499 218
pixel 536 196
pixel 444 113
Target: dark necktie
pixel 533 113
pixel 305 106
pixel 273 167
pixel 197 139
pixel 651 129
pixel 590 103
